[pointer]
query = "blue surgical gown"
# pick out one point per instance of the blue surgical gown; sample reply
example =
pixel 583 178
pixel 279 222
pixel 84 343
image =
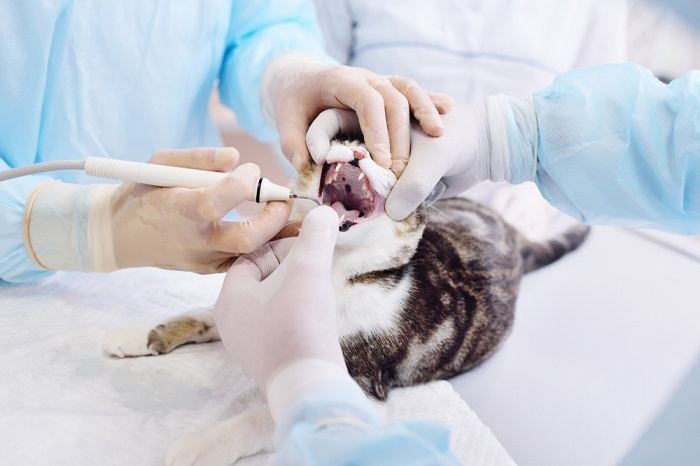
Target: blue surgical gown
pixel 125 78
pixel 617 146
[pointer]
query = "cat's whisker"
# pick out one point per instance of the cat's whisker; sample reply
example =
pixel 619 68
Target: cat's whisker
pixel 443 214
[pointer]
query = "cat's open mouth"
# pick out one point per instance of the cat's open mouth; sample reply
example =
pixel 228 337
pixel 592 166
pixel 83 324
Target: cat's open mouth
pixel 347 189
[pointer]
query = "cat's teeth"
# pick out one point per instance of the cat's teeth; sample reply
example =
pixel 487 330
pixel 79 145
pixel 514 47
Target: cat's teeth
pixel 362 175
pixel 338 167
pixel 367 192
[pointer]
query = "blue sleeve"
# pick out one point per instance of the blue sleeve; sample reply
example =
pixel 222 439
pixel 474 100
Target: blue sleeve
pixel 336 427
pixel 617 146
pixel 22 91
pixel 685 9
pixel 259 31
pixel 15 264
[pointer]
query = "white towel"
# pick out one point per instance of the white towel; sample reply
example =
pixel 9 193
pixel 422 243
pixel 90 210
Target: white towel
pixel 62 402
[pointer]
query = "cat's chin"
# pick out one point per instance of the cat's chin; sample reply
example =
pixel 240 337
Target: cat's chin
pixel 371 231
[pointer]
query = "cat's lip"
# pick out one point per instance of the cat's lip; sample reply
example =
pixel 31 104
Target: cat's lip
pixel 345 187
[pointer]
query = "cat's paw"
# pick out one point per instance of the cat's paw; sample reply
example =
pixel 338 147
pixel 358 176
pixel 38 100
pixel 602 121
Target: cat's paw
pixel 128 343
pixel 203 449
pixel 187 451
pixel 249 433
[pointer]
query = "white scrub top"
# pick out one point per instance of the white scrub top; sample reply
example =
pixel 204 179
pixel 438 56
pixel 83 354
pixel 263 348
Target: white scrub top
pixel 474 48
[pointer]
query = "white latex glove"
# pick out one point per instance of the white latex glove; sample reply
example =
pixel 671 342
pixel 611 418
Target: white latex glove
pixel 297 88
pixel 134 225
pixel 493 141
pixel 445 166
pixel 290 316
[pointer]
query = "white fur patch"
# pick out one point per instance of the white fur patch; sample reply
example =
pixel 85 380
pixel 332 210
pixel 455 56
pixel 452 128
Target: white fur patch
pixel 128 342
pixel 381 179
pixel 417 349
pixel 370 308
pixel 339 153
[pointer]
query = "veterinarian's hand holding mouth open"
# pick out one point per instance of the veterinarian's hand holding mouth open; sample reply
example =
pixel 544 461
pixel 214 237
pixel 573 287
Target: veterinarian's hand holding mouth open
pixel 283 331
pixel 299 89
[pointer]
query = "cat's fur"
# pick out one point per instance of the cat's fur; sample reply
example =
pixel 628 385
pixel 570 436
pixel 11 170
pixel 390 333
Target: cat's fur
pixel 418 300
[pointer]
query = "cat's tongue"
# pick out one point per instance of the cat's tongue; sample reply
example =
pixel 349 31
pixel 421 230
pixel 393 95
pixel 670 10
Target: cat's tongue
pixel 345 214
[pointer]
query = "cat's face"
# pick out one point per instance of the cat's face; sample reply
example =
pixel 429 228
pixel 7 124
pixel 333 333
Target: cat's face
pixel 356 188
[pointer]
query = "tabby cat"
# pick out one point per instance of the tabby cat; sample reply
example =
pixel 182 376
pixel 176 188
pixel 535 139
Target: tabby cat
pixel 422 299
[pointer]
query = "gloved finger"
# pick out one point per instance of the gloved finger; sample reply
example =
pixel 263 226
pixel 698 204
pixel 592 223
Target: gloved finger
pixel 292 126
pixel 443 102
pixel 437 192
pixel 313 249
pixel 269 256
pixel 422 107
pixel 265 259
pixel 415 184
pixel 290 230
pixel 398 120
pixel 220 159
pixel 214 202
pixel 327 126
pixel 369 106
pixel 281 247
pixel 247 236
pixel 241 276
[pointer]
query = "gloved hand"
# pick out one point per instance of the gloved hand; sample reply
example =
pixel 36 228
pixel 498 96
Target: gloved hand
pixel 290 316
pixel 494 140
pixel 445 166
pixel 296 89
pixel 134 225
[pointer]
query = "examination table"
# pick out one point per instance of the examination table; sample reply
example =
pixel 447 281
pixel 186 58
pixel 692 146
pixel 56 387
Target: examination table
pixel 601 340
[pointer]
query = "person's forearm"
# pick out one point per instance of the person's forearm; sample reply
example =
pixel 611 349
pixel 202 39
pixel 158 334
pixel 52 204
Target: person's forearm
pixel 331 422
pixel 617 146
pixel 261 31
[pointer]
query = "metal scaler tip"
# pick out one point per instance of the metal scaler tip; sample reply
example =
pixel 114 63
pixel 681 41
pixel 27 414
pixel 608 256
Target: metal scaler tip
pixel 309 198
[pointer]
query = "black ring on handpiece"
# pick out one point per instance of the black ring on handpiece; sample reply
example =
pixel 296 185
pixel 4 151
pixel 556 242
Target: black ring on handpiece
pixel 257 194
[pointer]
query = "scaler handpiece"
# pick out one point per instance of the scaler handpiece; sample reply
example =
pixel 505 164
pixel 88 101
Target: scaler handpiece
pixel 155 175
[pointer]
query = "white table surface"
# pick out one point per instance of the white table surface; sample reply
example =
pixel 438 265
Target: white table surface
pixel 601 341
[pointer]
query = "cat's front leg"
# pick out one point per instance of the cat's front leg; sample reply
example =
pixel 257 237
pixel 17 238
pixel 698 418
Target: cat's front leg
pixel 247 434
pixel 193 327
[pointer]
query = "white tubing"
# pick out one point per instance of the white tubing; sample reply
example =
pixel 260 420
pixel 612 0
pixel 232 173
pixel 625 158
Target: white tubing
pixel 41 168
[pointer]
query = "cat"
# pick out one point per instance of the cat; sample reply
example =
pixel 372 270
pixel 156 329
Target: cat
pixel 422 299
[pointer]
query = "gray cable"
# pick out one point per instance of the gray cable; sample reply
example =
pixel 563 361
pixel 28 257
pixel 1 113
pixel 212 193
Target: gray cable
pixel 41 167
